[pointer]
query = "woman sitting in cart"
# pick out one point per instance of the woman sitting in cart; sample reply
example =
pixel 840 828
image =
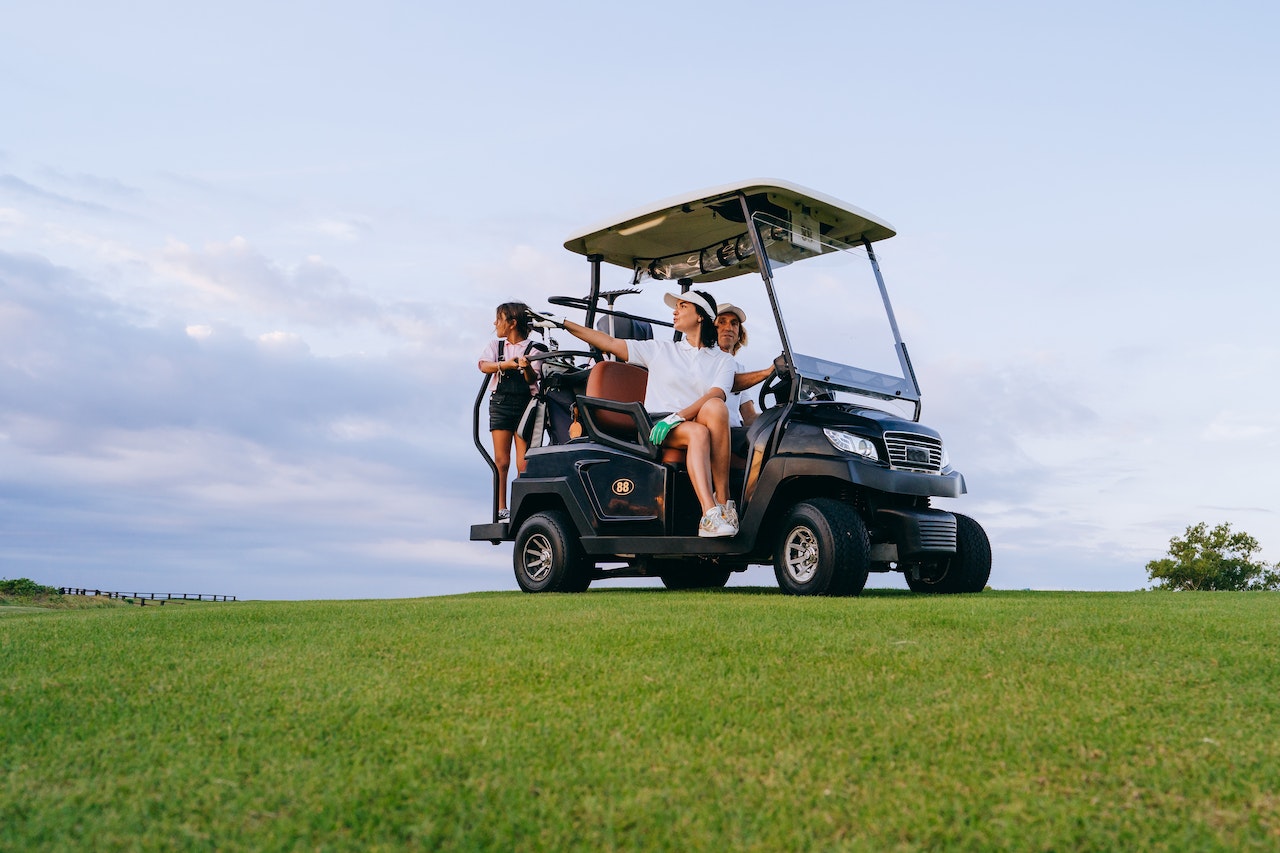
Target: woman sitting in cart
pixel 689 381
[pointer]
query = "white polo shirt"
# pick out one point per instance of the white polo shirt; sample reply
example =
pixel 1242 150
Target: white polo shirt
pixel 680 373
pixel 735 398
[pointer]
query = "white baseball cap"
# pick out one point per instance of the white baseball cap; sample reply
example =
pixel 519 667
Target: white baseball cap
pixel 730 308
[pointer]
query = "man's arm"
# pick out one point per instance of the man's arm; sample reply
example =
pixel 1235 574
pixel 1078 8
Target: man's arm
pixel 743 381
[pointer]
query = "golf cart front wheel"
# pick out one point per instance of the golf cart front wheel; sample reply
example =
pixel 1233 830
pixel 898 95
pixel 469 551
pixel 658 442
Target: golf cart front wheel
pixel 967 571
pixel 823 549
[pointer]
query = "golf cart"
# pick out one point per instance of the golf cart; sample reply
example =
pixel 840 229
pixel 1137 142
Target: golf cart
pixel 838 472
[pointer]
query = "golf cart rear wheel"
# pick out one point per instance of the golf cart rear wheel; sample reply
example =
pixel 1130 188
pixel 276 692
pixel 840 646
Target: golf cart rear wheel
pixel 688 574
pixel 968 571
pixel 548 557
pixel 823 549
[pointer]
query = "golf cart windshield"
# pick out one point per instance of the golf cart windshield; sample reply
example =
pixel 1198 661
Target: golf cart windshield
pixel 836 317
pixel 831 315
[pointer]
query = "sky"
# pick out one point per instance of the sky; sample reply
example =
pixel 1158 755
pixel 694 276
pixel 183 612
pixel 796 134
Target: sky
pixel 250 254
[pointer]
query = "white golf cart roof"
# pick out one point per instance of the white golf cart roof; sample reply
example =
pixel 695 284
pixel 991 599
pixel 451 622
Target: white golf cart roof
pixel 683 227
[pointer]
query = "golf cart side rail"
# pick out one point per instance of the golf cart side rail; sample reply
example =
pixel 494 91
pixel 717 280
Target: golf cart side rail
pixel 475 435
pixel 475 418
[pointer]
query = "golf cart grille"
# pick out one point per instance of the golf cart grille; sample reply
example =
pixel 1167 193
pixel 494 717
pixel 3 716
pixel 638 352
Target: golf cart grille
pixel 911 452
pixel 938 534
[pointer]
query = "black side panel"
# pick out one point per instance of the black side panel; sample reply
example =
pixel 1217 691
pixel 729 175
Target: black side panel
pixel 606 492
pixel 624 489
pixel 919 533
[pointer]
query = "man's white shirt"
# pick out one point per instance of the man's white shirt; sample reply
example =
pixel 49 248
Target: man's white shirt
pixel 734 402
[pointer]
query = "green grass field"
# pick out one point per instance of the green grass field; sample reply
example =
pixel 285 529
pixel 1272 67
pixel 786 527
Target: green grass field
pixel 647 719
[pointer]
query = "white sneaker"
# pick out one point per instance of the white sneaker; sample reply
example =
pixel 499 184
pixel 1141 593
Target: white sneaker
pixel 731 514
pixel 714 524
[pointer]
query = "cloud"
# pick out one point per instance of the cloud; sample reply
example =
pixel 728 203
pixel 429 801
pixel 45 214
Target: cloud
pixel 191 448
pixel 10 217
pixel 1236 426
pixel 77 357
pixel 234 276
pixel 94 184
pixel 199 433
pixel 17 186
pixel 148 379
pixel 345 230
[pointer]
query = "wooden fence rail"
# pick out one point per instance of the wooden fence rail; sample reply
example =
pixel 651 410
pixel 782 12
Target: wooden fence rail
pixel 141 598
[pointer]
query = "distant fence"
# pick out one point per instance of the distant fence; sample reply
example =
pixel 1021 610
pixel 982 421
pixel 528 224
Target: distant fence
pixel 141 598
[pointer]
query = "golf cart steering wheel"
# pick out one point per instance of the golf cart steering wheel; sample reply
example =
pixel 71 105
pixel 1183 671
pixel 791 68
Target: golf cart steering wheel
pixel 778 385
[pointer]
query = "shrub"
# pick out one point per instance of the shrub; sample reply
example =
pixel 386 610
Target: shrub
pixel 1214 559
pixel 26 588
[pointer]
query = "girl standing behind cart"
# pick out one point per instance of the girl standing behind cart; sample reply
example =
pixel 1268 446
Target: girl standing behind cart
pixel 513 385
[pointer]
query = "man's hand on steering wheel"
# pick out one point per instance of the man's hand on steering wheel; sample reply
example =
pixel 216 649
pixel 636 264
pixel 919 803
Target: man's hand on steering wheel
pixel 778 384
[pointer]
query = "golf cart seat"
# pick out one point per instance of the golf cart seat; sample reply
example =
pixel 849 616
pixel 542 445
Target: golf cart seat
pixel 614 405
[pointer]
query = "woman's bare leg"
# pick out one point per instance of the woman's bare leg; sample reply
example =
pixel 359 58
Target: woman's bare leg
pixel 714 415
pixel 502 459
pixel 695 440
pixel 521 447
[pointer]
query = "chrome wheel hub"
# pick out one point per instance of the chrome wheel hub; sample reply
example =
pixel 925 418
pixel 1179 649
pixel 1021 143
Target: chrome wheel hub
pixel 537 557
pixel 800 555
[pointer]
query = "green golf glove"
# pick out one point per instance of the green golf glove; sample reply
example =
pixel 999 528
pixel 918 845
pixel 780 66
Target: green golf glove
pixel 659 432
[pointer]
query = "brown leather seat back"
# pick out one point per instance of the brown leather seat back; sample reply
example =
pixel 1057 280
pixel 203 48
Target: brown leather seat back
pixel 623 383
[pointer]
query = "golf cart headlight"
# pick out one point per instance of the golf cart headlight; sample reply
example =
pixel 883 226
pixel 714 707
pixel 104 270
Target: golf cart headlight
pixel 850 443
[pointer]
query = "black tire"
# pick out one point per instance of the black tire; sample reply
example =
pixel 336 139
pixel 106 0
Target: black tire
pixel 681 574
pixel 581 579
pixel 548 557
pixel 822 549
pixel 968 571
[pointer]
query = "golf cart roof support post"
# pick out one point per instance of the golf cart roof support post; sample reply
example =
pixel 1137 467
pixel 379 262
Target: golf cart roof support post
pixel 686 284
pixel 904 360
pixel 475 436
pixel 766 273
pixel 594 296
